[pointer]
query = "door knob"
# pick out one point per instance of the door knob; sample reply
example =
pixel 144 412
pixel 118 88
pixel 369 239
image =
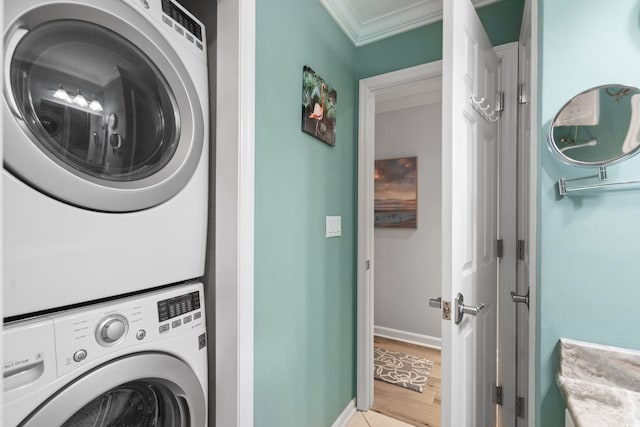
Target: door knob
pixel 462 309
pixel 520 298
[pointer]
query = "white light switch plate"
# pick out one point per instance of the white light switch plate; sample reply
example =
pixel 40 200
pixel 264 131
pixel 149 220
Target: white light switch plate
pixel 334 226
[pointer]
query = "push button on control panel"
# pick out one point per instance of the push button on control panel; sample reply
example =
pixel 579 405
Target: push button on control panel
pixel 141 334
pixel 176 323
pixel 80 355
pixel 164 328
pixel 197 315
pixel 187 319
pixel 167 20
pixel 179 30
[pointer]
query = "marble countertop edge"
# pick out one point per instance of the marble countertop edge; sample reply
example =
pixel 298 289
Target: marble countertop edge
pixel 592 404
pixel 600 384
pixel 605 347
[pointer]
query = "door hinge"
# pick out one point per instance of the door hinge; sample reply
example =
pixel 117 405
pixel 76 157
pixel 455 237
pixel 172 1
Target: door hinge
pixel 522 97
pixel 520 250
pixel 446 310
pixel 367 265
pixel 520 407
pixel 500 106
pixel 499 395
pixel 500 248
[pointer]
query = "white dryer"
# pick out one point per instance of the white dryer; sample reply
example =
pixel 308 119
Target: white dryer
pixel 139 361
pixel 106 155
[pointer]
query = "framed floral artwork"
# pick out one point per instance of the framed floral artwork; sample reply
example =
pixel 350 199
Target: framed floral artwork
pixel 319 103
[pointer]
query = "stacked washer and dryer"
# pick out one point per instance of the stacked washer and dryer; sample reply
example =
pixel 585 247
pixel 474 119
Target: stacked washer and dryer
pixel 105 184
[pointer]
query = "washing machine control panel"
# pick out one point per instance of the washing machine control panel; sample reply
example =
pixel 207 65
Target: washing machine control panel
pixel 103 331
pixel 178 306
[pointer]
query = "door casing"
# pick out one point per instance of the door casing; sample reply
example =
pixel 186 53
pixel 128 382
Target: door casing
pixel 366 153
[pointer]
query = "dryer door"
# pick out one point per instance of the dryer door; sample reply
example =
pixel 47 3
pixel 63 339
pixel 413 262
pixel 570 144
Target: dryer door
pixel 103 113
pixel 144 390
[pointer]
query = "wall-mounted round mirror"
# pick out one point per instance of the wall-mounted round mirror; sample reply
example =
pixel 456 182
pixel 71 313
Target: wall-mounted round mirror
pixel 598 127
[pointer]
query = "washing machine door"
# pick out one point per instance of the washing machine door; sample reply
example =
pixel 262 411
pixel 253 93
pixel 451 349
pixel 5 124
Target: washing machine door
pixel 143 390
pixel 100 110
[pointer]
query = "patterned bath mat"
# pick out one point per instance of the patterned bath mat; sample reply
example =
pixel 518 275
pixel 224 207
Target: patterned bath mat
pixel 401 369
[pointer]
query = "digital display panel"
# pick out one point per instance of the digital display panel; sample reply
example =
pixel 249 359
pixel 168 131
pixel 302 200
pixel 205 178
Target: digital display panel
pixel 182 18
pixel 177 306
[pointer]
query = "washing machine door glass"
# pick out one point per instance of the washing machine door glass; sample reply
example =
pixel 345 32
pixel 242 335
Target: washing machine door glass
pixel 94 101
pixel 142 390
pixel 139 403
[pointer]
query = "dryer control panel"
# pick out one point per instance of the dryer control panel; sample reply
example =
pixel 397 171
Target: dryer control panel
pixel 184 26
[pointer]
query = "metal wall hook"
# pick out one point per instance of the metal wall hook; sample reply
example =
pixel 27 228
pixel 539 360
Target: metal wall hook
pixel 524 299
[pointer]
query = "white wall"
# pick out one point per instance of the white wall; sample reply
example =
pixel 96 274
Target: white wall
pixel 228 277
pixel 407 261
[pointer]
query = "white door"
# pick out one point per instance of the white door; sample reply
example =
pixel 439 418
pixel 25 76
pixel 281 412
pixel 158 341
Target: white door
pixel 469 215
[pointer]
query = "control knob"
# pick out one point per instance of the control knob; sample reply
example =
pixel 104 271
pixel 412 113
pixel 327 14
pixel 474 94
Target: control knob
pixel 111 330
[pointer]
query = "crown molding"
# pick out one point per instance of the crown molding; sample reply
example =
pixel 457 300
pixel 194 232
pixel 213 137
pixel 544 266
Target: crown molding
pixel 419 14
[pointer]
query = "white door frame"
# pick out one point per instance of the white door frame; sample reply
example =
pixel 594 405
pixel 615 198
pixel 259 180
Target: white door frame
pixel 508 53
pixel 366 156
pixel 234 214
pixel 530 29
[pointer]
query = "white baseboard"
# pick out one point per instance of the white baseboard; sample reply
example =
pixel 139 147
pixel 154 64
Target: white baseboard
pixel 346 415
pixel 408 337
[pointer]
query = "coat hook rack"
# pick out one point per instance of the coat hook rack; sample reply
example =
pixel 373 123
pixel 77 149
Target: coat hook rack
pixel 484 109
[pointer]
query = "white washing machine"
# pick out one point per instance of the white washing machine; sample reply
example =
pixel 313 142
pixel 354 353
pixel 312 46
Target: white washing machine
pixel 139 361
pixel 106 150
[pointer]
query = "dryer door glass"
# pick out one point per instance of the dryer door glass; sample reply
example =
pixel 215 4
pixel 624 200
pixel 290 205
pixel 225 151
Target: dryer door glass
pixel 138 403
pixel 94 102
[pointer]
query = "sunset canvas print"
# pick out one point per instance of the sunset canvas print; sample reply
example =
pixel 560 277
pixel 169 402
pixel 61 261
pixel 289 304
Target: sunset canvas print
pixel 396 193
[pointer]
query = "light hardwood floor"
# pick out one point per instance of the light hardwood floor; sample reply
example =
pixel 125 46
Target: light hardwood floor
pixel 417 409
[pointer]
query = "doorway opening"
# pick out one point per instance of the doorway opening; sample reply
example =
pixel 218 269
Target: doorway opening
pixel 407 242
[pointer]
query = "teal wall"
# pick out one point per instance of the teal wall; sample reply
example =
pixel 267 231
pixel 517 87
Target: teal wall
pixel 501 21
pixel 404 50
pixel 587 245
pixel 305 284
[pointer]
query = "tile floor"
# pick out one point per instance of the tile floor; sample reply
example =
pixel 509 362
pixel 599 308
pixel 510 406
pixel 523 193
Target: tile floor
pixel 374 419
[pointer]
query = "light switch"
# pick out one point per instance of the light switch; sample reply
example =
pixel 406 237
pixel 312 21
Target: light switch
pixel 334 226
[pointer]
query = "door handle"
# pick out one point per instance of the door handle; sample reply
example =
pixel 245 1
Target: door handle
pixel 435 302
pixel 520 298
pixel 462 309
